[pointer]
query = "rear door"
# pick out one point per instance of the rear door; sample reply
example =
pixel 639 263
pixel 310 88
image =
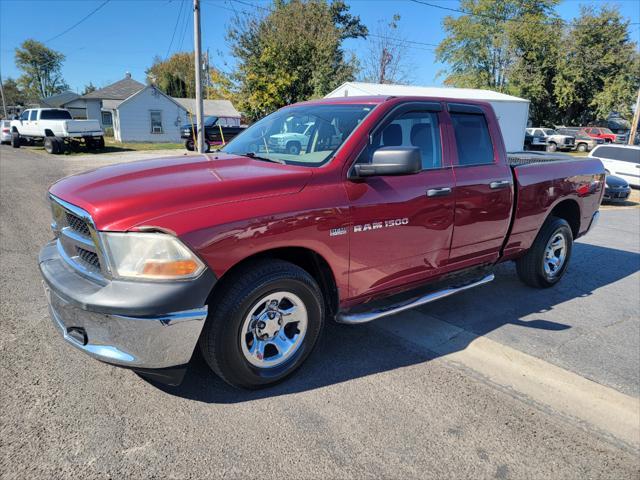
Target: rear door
pixel 483 187
pixel 402 225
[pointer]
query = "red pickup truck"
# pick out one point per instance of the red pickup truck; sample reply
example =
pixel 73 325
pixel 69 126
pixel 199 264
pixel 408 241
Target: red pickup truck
pixel 392 203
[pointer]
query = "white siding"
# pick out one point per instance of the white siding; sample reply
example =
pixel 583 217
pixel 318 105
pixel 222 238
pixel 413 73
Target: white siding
pixel 134 118
pixel 86 108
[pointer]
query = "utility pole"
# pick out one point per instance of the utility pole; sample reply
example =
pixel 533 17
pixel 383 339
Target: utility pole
pixel 634 122
pixel 198 65
pixel 4 105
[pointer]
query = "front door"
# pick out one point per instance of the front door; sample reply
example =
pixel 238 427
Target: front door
pixel 483 188
pixel 402 225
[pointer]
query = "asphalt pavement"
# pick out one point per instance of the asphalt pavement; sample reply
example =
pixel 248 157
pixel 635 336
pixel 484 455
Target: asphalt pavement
pixel 500 382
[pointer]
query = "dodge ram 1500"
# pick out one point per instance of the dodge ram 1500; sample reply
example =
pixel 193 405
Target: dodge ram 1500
pixel 393 203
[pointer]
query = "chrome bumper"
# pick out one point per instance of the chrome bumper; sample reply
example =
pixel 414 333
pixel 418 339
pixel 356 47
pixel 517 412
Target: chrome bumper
pixel 124 323
pixel 143 342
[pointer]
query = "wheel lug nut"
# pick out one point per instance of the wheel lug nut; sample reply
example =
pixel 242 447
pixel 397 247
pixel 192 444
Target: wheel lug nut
pixel 261 324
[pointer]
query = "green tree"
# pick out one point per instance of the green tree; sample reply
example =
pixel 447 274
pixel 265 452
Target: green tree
pixel 482 47
pixel 42 70
pixel 600 71
pixel 12 93
pixel 175 76
pixel 90 87
pixel 293 53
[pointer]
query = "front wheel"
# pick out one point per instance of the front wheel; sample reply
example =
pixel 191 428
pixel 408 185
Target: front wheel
pixel 582 147
pixel 546 261
pixel 264 323
pixel 552 147
pixel 189 145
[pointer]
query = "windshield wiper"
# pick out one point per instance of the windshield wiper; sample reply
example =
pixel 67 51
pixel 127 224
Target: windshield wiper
pixel 256 157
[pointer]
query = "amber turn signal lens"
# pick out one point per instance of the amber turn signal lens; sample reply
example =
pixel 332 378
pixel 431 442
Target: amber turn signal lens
pixel 177 268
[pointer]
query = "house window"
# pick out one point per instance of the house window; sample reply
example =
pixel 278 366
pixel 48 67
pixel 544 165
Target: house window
pixel 107 119
pixel 156 121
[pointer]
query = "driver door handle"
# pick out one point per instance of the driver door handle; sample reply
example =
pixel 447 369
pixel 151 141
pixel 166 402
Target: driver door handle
pixel 500 184
pixel 438 192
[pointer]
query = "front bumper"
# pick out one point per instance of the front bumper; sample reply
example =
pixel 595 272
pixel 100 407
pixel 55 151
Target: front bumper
pixel 125 323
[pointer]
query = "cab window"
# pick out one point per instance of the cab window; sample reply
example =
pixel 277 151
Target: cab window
pixel 473 140
pixel 413 129
pixel 33 116
pixel 25 115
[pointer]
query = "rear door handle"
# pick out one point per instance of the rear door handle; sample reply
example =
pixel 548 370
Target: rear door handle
pixel 438 192
pixel 500 184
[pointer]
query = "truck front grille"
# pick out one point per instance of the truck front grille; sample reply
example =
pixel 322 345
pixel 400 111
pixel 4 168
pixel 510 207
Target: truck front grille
pixel 90 259
pixel 77 224
pixel 77 239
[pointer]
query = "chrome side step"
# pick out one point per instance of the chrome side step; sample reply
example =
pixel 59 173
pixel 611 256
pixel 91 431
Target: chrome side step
pixel 363 317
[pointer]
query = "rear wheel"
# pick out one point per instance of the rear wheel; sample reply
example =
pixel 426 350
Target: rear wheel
pixel 15 140
pixel 265 322
pixel 546 261
pixel 51 145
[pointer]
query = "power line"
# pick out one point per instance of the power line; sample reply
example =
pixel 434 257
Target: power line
pixel 79 21
pixel 494 17
pixel 175 28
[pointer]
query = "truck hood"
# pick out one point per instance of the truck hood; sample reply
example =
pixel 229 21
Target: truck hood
pixel 120 197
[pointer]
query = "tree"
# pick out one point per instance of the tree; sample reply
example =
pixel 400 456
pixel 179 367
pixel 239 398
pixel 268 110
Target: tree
pixel 42 70
pixel 480 47
pixel 292 53
pixel 175 76
pixel 387 55
pixel 12 93
pixel 90 87
pixel 600 71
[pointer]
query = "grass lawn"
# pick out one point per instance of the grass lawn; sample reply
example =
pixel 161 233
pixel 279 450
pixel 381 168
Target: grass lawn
pixel 111 146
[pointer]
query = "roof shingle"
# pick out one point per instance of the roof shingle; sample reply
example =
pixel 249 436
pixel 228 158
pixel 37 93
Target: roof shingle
pixel 117 91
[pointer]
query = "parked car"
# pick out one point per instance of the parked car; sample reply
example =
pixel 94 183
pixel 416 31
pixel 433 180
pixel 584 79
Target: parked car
pixel 213 134
pixel 552 139
pixel 5 131
pixel 583 143
pixel 292 142
pixel 605 134
pixel 620 160
pixel 616 189
pixel 56 129
pixel 248 251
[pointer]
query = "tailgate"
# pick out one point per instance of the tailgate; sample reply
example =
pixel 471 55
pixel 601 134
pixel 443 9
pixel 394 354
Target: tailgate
pixel 83 126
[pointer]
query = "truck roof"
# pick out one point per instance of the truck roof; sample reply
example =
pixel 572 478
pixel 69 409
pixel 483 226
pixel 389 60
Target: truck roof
pixel 378 99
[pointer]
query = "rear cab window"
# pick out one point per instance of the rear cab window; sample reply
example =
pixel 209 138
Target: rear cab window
pixel 473 140
pixel 630 155
pixel 55 115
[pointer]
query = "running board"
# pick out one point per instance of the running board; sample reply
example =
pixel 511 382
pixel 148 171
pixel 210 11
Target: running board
pixel 363 317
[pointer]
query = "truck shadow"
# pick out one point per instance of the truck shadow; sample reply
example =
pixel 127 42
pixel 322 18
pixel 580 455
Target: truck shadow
pixel 350 352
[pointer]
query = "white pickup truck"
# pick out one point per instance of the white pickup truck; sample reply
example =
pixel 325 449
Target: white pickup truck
pixel 56 128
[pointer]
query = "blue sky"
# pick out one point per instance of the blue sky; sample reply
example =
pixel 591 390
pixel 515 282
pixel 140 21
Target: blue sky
pixel 126 35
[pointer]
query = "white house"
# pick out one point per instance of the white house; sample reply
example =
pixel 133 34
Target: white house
pixel 512 112
pixel 148 115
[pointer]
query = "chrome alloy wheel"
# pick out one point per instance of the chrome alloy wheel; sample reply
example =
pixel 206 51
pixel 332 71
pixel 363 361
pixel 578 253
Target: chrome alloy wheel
pixel 555 254
pixel 274 329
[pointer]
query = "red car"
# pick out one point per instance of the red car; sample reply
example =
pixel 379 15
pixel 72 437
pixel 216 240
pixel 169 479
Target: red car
pixel 599 132
pixel 248 251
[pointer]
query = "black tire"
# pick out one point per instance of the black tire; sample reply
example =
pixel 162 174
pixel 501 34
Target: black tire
pixel 15 140
pixel 189 145
pixel 98 142
pixel 51 145
pixel 221 337
pixel 293 148
pixel 582 147
pixel 531 267
pixel 552 147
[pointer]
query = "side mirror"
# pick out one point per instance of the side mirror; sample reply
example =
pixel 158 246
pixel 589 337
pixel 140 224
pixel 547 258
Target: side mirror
pixel 390 161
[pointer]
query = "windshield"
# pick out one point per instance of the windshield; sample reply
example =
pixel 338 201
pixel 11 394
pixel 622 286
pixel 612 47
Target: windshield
pixel 303 135
pixel 210 121
pixel 548 131
pixel 55 115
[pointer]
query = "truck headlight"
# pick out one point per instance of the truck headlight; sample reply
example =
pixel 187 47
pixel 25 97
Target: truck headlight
pixel 150 256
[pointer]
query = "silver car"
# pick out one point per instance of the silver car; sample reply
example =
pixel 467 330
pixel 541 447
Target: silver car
pixel 5 131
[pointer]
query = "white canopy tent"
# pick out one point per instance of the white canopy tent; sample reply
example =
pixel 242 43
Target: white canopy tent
pixel 512 112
